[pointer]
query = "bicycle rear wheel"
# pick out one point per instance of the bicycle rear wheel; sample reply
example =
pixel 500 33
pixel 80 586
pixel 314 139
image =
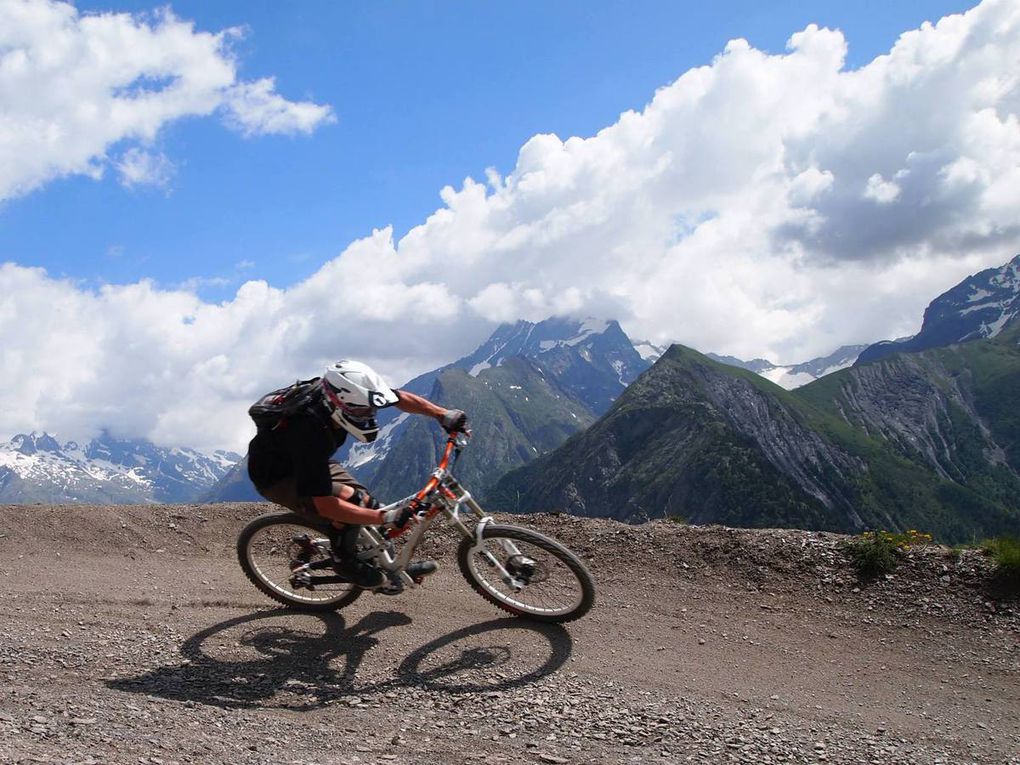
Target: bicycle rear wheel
pixel 272 549
pixel 548 582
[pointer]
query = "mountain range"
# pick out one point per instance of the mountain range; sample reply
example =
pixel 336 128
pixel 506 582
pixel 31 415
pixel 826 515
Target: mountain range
pixel 792 376
pixel 831 446
pixel 106 470
pixel 926 439
pixel 582 365
pixel 526 388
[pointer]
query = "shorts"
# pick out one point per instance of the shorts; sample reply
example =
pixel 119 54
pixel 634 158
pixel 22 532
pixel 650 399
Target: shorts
pixel 284 492
pixel 343 538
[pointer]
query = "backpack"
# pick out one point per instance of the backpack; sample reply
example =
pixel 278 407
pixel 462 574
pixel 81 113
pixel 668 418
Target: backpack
pixel 273 409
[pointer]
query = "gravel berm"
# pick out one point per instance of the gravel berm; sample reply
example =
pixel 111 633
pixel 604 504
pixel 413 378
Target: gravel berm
pixel 130 635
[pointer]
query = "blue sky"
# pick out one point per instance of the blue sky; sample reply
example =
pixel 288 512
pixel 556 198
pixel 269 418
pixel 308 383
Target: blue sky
pixel 191 215
pixel 426 94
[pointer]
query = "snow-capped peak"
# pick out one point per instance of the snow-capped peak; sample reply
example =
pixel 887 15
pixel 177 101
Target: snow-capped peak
pixel 981 306
pixel 791 376
pixel 37 468
pixel 531 340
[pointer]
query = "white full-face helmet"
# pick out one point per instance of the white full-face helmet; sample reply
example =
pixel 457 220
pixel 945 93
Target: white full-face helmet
pixel 354 392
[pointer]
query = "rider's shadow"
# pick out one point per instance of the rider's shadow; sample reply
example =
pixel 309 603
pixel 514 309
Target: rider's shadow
pixel 280 664
pixel 288 665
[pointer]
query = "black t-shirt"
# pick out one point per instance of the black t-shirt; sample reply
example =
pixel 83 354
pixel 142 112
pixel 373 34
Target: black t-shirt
pixel 300 448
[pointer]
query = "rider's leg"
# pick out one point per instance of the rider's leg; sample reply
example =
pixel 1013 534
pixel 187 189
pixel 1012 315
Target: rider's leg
pixel 283 493
pixel 344 484
pixel 345 544
pixel 343 537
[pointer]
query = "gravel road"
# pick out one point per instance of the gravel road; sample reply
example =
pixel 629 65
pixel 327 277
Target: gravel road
pixel 130 635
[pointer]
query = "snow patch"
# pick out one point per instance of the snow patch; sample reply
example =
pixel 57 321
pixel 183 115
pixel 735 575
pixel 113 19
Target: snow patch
pixel 361 454
pixel 995 327
pixel 648 351
pixel 981 307
pixel 783 377
pixel 618 366
pixel 594 326
pixel 480 366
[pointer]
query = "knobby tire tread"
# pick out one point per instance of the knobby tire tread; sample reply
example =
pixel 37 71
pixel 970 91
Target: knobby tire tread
pixel 569 559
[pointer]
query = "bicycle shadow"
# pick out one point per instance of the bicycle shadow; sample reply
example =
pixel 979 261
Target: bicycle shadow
pixel 452 664
pixel 306 661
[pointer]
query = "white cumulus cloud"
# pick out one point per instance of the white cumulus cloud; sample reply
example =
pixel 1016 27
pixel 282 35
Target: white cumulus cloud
pixel 255 108
pixel 73 86
pixel 773 205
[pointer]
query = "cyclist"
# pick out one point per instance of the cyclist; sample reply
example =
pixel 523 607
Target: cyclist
pixel 291 463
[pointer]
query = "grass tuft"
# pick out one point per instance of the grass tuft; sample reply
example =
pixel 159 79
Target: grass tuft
pixel 877 553
pixel 1005 552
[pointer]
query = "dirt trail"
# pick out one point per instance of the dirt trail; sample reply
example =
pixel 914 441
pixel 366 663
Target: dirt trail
pixel 129 635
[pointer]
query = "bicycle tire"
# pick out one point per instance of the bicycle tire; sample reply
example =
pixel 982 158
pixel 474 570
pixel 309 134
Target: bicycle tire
pixel 511 602
pixel 276 590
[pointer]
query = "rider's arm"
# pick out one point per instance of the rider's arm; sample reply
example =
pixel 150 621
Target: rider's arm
pixel 412 403
pixel 342 511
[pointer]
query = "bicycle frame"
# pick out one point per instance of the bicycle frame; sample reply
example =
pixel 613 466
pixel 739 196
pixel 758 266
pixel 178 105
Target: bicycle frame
pixel 441 494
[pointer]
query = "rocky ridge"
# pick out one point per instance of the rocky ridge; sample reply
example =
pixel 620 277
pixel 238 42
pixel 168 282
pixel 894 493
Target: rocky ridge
pixel 979 307
pixel 928 440
pixel 687 439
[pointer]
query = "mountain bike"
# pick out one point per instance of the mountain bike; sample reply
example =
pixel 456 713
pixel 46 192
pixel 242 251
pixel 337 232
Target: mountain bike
pixel 296 559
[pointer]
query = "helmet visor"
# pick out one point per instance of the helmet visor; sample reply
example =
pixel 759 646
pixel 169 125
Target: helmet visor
pixel 362 413
pixel 352 411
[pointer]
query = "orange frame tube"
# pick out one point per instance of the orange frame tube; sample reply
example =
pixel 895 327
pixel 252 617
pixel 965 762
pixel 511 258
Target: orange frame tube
pixel 432 483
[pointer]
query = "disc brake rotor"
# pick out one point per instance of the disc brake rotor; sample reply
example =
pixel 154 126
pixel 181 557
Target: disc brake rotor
pixel 526 569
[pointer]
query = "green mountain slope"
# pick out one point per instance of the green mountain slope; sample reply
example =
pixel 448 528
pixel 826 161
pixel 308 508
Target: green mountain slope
pixel 924 441
pixel 517 411
pixel 940 432
pixel 697 439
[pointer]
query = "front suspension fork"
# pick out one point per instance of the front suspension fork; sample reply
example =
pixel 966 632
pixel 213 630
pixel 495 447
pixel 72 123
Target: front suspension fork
pixel 477 533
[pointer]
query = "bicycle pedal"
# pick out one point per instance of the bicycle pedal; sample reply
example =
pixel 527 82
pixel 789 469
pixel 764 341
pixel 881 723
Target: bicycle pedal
pixel 393 587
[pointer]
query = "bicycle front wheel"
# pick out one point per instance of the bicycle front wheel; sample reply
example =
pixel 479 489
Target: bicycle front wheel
pixel 527 574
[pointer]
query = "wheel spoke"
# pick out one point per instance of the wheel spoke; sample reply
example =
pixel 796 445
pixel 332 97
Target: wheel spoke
pixel 278 551
pixel 551 588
